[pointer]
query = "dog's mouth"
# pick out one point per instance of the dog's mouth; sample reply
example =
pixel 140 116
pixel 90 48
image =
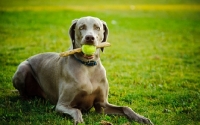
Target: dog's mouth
pixel 88 51
pixel 88 57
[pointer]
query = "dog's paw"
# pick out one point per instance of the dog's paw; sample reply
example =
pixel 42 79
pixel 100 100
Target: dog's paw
pixel 144 120
pixel 77 117
pixel 136 117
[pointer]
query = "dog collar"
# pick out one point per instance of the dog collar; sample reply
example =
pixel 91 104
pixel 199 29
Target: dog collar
pixel 88 63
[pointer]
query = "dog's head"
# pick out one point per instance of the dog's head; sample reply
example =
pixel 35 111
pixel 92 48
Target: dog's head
pixel 89 31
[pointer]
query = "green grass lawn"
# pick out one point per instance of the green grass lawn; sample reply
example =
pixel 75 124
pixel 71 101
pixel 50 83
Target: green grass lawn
pixel 153 65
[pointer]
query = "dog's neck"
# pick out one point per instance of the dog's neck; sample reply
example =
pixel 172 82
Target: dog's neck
pixel 87 63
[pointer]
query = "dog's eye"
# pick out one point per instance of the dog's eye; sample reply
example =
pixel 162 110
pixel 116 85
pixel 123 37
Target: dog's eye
pixel 83 27
pixel 97 28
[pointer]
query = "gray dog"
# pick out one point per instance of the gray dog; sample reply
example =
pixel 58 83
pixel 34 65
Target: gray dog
pixel 74 83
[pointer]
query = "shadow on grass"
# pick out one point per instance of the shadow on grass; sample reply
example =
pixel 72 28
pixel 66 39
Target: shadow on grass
pixel 15 110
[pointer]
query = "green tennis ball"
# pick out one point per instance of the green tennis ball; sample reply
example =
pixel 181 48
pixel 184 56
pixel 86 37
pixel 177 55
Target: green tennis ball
pixel 88 49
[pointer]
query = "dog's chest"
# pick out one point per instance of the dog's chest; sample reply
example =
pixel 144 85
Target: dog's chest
pixel 85 101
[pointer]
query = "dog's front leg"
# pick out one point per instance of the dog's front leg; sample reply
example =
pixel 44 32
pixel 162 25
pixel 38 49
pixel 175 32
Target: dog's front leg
pixel 112 109
pixel 75 113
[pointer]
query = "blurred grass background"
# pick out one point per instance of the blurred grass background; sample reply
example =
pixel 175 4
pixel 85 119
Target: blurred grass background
pixel 152 65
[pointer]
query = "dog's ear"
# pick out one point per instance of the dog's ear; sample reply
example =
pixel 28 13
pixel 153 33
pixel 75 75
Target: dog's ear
pixel 105 34
pixel 72 32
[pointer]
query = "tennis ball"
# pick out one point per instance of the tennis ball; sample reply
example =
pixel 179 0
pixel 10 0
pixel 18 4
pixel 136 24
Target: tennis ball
pixel 88 49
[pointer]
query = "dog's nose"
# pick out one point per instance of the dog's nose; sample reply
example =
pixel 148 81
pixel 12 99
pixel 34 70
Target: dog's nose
pixel 89 38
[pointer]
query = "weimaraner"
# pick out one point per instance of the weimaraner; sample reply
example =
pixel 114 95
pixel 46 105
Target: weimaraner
pixel 74 83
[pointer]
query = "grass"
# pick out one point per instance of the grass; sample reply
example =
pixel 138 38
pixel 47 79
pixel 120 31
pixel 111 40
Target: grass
pixel 153 65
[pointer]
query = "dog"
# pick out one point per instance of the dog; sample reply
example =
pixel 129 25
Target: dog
pixel 75 83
